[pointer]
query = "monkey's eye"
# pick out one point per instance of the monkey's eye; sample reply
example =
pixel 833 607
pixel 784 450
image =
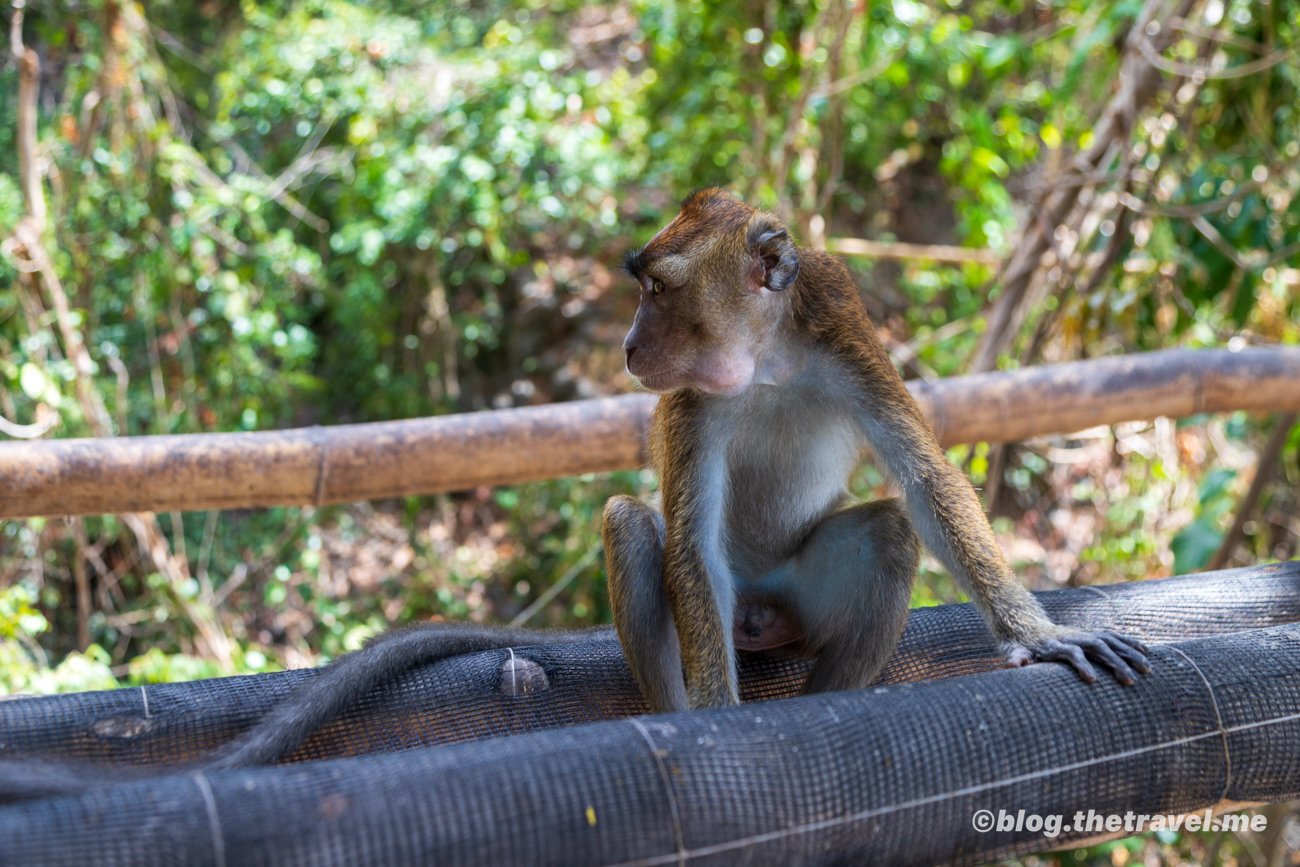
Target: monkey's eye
pixel 657 287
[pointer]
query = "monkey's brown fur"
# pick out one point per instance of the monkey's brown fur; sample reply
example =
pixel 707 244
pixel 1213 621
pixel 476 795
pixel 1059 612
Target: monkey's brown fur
pixel 738 328
pixel 773 379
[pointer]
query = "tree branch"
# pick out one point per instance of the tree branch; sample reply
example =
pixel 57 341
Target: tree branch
pixel 1187 70
pixel 29 244
pixel 1263 469
pixel 1137 82
pixel 897 250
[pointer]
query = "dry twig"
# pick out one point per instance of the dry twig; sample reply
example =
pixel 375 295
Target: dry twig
pixel 28 245
pixel 1263 470
pixel 1137 82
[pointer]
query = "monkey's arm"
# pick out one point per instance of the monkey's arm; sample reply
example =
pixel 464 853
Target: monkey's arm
pixel 347 680
pixel 951 522
pixel 696 579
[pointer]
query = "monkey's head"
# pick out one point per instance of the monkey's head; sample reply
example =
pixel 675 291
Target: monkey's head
pixel 713 296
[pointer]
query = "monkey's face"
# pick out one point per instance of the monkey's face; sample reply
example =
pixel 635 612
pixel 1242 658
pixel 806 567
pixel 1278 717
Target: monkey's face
pixel 679 339
pixel 711 297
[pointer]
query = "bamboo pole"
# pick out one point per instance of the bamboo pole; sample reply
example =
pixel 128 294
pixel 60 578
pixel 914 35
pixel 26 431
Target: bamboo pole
pixel 1063 398
pixel 900 250
pixel 348 463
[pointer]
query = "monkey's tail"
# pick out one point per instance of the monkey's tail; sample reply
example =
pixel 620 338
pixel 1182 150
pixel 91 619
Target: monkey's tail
pixel 349 679
pixel 315 703
pixel 24 779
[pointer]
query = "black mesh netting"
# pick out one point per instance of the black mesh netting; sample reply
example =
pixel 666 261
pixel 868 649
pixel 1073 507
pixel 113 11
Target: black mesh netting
pixel 891 774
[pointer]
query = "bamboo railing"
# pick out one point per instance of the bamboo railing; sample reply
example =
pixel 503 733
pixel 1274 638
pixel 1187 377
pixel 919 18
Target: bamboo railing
pixel 348 463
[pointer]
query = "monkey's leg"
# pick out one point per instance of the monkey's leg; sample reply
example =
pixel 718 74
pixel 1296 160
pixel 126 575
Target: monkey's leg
pixel 634 551
pixel 850 585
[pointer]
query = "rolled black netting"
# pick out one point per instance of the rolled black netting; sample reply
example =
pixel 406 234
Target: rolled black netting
pixel 891 774
pixel 468 698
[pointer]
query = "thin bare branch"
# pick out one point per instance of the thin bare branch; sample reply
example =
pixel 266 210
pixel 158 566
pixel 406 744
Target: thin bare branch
pixel 29 431
pixel 1069 180
pixel 29 76
pixel 1263 470
pixel 16 28
pixel 85 605
pixel 862 76
pixel 1133 203
pixel 1137 83
pixel 180 49
pixel 1187 70
pixel 554 590
pixel 284 199
pixel 905 352
pixel 1249 262
pixel 898 250
pixel 1217 35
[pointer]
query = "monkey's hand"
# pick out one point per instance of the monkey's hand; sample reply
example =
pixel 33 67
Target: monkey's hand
pixel 1119 653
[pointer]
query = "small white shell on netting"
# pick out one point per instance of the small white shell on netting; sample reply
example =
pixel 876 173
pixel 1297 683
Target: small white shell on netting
pixel 522 676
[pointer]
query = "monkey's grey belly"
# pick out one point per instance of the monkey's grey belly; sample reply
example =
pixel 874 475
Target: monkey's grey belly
pixel 788 485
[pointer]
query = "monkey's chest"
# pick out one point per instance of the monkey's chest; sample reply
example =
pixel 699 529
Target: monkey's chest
pixel 784 477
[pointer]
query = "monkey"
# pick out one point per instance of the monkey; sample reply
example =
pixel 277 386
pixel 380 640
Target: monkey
pixel 772 383
pixel 286 726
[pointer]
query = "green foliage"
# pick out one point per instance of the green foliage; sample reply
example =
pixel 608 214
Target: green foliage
pixel 453 150
pixel 155 666
pixel 23 664
pixel 1197 542
pixel 286 212
pixel 330 211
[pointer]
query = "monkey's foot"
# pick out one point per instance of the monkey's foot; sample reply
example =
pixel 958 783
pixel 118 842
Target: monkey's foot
pixel 760 626
pixel 1118 653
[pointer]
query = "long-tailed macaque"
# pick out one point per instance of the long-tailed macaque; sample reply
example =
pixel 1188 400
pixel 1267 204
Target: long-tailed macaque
pixel 773 382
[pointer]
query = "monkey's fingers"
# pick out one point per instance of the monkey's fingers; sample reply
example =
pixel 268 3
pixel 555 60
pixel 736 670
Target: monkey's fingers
pixel 1130 641
pixel 1052 650
pixel 1131 650
pixel 1097 648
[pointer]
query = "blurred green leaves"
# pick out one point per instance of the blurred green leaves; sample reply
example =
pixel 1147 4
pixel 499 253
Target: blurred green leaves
pixel 1196 543
pixel 317 211
pixel 24 667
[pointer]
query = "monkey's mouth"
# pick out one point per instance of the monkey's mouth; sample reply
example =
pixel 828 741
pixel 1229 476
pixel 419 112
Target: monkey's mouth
pixel 656 380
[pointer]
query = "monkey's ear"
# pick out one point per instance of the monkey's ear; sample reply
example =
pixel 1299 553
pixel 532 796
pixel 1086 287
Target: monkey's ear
pixel 774 260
